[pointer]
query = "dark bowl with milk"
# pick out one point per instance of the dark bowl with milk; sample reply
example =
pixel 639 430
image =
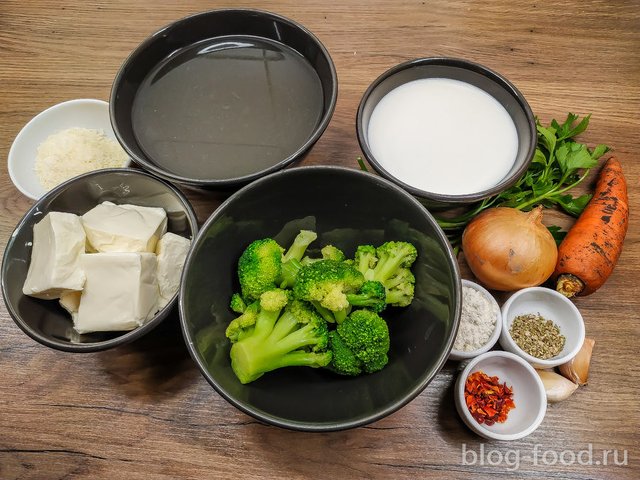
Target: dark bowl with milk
pixel 449 131
pixel 221 98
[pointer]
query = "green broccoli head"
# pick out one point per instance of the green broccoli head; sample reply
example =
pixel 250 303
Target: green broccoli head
pixel 343 360
pixel 360 343
pixel 366 334
pixel 327 282
pixel 259 268
pixel 400 288
pixel 284 333
pixel 274 300
pixel 329 252
pixel 372 295
pixel 244 324
pixel 391 257
pixel 263 265
pixel 365 259
pixel 237 303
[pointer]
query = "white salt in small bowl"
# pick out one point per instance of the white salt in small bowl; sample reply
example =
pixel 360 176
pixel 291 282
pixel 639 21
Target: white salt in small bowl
pixel 553 306
pixel 80 113
pixel 465 355
pixel 529 396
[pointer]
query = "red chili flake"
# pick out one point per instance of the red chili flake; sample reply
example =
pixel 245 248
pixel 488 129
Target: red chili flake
pixel 488 400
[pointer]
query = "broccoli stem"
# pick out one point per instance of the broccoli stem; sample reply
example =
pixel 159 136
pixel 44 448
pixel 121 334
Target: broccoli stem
pixel 324 312
pixel 299 245
pixel 289 272
pixel 256 355
pixel 362 300
pixel 386 267
pixel 396 297
pixel 264 324
pixel 303 359
pixel 283 327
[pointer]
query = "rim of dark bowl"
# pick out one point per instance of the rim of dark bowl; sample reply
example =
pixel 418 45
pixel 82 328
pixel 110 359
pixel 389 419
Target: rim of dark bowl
pixel 126 337
pixel 234 181
pixel 463 64
pixel 334 426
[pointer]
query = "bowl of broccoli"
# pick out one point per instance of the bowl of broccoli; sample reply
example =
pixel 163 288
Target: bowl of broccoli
pixel 320 298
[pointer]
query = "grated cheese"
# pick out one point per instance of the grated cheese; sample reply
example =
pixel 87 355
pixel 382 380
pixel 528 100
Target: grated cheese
pixel 74 151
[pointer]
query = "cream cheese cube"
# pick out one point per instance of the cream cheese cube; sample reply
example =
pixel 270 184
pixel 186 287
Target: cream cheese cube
pixel 124 228
pixel 172 252
pixel 58 242
pixel 71 302
pixel 120 293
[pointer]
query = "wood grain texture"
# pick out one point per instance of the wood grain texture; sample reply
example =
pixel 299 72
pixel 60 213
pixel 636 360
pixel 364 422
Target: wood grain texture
pixel 143 410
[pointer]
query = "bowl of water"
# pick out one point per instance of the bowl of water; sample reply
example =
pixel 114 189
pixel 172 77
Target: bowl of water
pixel 221 98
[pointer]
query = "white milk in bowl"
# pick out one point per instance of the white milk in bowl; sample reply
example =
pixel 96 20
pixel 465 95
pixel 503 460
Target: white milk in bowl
pixel 443 136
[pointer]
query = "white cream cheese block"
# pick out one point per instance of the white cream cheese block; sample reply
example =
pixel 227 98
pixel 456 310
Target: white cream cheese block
pixel 172 252
pixel 58 242
pixel 120 292
pixel 124 228
pixel 71 302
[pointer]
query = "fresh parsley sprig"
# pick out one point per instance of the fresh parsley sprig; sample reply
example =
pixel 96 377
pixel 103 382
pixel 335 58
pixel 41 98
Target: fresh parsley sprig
pixel 559 164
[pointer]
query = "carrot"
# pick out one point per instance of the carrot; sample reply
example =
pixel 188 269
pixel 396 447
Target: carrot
pixel 589 252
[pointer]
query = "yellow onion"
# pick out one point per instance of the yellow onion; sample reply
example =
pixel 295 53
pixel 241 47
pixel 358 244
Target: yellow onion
pixel 507 249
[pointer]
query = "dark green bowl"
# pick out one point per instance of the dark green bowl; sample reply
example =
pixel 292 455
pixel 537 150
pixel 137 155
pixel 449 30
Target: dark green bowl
pixel 347 208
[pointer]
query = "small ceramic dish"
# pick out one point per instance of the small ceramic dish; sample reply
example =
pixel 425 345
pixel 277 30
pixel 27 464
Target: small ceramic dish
pixel 552 306
pixel 82 113
pixel 528 395
pixel 488 345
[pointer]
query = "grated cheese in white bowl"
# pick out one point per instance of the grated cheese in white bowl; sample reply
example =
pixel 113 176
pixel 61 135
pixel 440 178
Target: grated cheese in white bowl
pixel 75 151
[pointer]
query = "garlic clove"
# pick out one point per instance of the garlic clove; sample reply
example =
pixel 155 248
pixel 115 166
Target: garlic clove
pixel 577 369
pixel 556 386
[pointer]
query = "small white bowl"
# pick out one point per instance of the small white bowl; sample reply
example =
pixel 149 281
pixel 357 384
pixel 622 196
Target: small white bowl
pixel 528 395
pixel 464 355
pixel 82 113
pixel 552 306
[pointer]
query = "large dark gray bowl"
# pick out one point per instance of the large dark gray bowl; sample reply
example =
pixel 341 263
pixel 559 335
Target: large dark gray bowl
pixel 209 26
pixel 466 71
pixel 347 208
pixel 45 320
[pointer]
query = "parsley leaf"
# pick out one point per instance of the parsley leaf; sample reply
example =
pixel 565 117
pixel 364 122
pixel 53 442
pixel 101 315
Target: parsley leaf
pixel 559 164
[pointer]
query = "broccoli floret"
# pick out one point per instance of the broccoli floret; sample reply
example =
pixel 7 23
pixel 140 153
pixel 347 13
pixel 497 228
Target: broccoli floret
pixel 372 295
pixel 365 259
pixel 283 334
pixel 325 284
pixel 360 342
pixel 343 360
pixel 237 303
pixel 391 257
pixel 390 265
pixel 400 288
pixel 259 268
pixel 329 252
pixel 244 324
pixel 263 265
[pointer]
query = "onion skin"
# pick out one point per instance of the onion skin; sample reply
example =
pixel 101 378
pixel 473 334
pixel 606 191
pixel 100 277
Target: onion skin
pixel 507 249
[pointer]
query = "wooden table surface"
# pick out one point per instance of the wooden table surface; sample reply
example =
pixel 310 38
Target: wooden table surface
pixel 144 411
